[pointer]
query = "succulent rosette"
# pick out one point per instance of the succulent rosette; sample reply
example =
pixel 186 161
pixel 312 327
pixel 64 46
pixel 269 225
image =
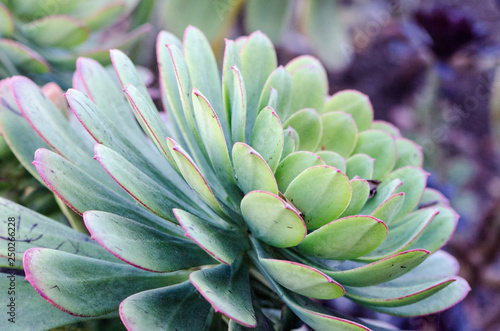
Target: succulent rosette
pixel 258 193
pixel 39 36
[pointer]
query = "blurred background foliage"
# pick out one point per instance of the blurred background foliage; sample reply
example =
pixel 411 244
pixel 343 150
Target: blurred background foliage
pixel 430 67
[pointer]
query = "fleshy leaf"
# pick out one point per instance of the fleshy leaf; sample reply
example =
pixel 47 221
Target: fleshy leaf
pixel 227 288
pixel 388 209
pixel 34 312
pixel 290 143
pixel 291 166
pixel 71 282
pixel 143 246
pixel 272 220
pixel 380 271
pixel 102 128
pixel 23 57
pixel 105 16
pixel 345 238
pixel 307 123
pixel 387 127
pixel 213 139
pixel 381 193
pixel 395 296
pixel 438 231
pixel 440 301
pixel 82 192
pixel 360 193
pixel 360 165
pixel 403 233
pixel 281 80
pixel 108 96
pixel 6 21
pixel 314 315
pixel 256 70
pixel 193 175
pixel 176 307
pixel 382 147
pixel 149 118
pixel 409 153
pixel 143 189
pixel 432 197
pixel 355 103
pixel 22 140
pixel 339 133
pixel 251 170
pixel 35 230
pixel 204 73
pixel 268 138
pixel 238 107
pixel 313 191
pixel 333 159
pixel 414 181
pixel 57 31
pixel 48 121
pixel 309 87
pixel 223 244
pixel 230 69
pixel 303 279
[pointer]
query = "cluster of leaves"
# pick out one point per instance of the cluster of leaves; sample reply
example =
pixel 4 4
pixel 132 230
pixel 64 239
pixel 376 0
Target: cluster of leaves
pixel 257 183
pixel 41 36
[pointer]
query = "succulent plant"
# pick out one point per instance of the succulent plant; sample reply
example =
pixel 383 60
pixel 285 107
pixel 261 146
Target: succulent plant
pixel 258 190
pixel 41 36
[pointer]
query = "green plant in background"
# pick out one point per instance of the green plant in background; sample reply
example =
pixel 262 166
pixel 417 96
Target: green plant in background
pixel 258 190
pixel 319 26
pixel 37 37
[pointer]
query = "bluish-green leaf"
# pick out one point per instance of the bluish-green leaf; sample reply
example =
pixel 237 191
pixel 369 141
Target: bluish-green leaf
pixel 251 170
pixel 339 133
pixel 333 159
pixel 82 192
pixel 223 244
pixel 381 271
pixel 409 153
pixel 268 138
pixel 281 80
pixel 57 31
pixel 355 103
pixel 238 107
pixel 444 299
pixel 212 135
pixel 403 233
pixel 193 176
pixel 88 287
pixel 35 230
pixel 382 147
pixel 291 166
pixel 175 307
pixel 360 193
pixel 307 123
pixel 360 165
pixel 290 143
pixel 142 246
pixel 204 73
pixel 258 60
pixel 272 220
pixel 345 238
pixel 313 192
pixel 227 288
pixel 309 88
pixel 303 279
